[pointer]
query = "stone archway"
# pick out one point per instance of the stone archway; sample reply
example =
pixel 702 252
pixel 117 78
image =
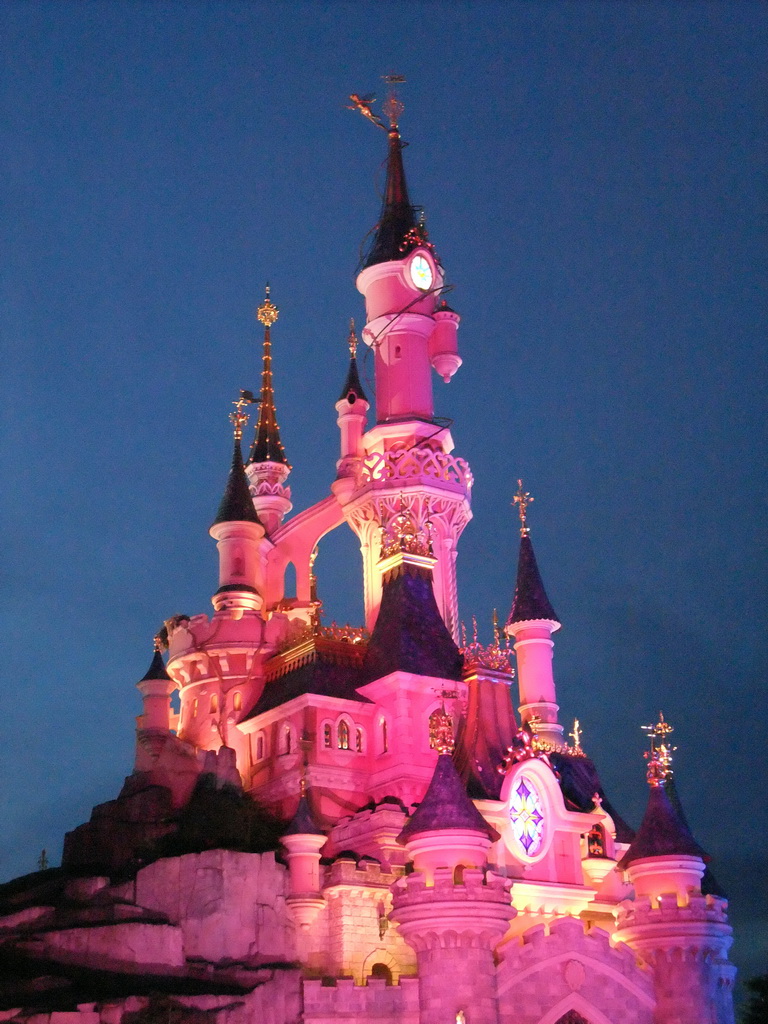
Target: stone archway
pixel 572 1017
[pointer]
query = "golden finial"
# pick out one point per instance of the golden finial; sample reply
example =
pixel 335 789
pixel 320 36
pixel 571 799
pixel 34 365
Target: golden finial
pixel 157 643
pixel 238 418
pixel 659 757
pixel 441 727
pixel 522 499
pixel 352 339
pixel 496 631
pixel 463 635
pixel 392 105
pixel 576 734
pixel 267 312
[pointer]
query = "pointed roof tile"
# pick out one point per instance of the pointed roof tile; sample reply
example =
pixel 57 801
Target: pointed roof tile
pixel 236 504
pixel 446 805
pixel 302 823
pixel 530 600
pixel 663 832
pixel 398 217
pixel 352 385
pixel 410 634
pixel 157 669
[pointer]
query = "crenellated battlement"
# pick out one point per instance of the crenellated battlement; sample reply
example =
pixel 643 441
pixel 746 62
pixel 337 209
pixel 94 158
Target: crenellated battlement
pixel 698 908
pixel 398 1004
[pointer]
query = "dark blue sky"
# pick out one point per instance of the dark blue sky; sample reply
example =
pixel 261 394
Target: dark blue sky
pixel 594 180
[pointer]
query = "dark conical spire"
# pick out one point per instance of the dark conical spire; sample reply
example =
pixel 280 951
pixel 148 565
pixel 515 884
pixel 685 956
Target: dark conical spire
pixel 267 446
pixel 352 385
pixel 530 600
pixel 398 217
pixel 157 669
pixel 236 503
pixel 663 832
pixel 302 823
pixel 446 805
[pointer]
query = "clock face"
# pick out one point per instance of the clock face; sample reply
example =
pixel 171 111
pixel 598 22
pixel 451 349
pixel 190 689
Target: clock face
pixel 421 272
pixel 526 815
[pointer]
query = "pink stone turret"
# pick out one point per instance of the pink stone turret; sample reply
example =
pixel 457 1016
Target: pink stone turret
pixel 683 935
pixel 237 530
pixel 352 408
pixel 156 688
pixel 444 343
pixel 302 843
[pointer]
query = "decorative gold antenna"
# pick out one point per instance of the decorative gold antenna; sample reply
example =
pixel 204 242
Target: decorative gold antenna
pixel 393 106
pixel 352 339
pixel 523 499
pixel 238 418
pixel 659 757
pixel 496 631
pixel 267 312
pixel 576 734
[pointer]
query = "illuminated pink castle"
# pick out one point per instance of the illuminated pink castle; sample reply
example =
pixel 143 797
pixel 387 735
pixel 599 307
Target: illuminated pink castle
pixel 381 823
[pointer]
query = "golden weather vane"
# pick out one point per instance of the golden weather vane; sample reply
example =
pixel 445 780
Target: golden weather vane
pixel 352 339
pixel 238 418
pixel 523 499
pixel 267 312
pixel 392 106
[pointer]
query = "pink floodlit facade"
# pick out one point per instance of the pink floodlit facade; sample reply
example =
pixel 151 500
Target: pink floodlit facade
pixel 255 869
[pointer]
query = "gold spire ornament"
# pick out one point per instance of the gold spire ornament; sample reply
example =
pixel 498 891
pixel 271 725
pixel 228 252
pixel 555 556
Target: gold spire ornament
pixel 522 499
pixel 267 312
pixel 238 418
pixel 576 735
pixel 659 757
pixel 393 106
pixel 352 338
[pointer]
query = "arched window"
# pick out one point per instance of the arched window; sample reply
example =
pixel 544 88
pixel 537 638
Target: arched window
pixel 237 701
pixel 214 703
pixel 384 738
pixel 343 735
pixel 195 703
pixel 260 747
pixel 287 739
pixel 327 735
pixel 381 971
pixel 596 841
pixel 359 740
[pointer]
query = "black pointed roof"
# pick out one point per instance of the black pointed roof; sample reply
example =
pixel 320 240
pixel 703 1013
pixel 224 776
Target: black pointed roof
pixel 267 446
pixel 157 669
pixel 398 217
pixel 446 805
pixel 530 600
pixel 410 635
pixel 236 504
pixel 662 833
pixel 352 385
pixel 302 823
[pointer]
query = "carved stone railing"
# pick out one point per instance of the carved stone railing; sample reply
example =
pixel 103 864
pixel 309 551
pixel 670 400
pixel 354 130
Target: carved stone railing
pixel 412 465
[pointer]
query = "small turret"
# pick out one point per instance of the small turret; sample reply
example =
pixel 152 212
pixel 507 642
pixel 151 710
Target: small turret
pixel 352 408
pixel 446 829
pixel 156 688
pixel 532 621
pixel 268 467
pixel 303 841
pixel 237 529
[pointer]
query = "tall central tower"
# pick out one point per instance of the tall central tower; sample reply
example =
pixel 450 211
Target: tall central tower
pixel 405 458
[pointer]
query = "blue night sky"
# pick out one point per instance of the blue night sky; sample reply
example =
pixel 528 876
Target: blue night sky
pixel 594 180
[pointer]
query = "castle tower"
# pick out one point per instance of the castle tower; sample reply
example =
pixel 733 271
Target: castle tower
pixel 682 934
pixel 268 467
pixel 352 408
pixel 448 910
pixel 153 726
pixel 532 621
pixel 237 530
pixel 407 451
pixel 302 842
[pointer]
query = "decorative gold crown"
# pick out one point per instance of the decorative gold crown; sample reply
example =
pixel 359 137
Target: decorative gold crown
pixel 267 312
pixel 492 656
pixel 403 534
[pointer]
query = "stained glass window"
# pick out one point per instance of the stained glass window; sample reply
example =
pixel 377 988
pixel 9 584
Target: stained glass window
pixel 527 817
